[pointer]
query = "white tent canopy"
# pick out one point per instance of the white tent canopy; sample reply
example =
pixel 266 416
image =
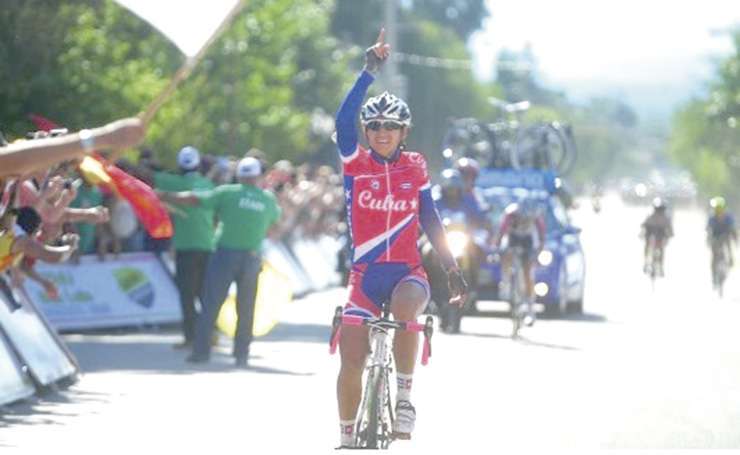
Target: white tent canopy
pixel 187 23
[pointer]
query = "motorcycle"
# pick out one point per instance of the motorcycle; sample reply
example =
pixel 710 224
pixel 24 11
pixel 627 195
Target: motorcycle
pixel 466 246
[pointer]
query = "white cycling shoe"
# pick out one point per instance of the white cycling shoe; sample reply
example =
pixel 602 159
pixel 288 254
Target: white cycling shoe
pixel 403 426
pixel 529 315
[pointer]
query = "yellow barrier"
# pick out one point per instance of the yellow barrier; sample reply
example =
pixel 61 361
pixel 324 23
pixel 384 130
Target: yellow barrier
pixel 273 290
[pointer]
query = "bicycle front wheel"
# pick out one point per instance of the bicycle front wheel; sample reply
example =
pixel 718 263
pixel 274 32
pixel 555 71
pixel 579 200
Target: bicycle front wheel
pixel 372 430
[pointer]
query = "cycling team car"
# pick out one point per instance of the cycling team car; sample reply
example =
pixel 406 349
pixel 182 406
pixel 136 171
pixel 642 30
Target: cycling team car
pixel 560 271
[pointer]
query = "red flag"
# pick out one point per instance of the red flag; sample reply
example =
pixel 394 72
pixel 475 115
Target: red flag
pixel 147 206
pixel 43 123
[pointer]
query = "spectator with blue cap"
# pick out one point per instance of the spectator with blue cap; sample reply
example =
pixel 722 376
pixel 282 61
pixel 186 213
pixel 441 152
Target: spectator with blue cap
pixel 193 238
pixel 246 213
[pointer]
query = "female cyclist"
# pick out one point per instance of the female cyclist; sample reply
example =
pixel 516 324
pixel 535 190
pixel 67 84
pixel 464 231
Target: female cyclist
pixel 387 193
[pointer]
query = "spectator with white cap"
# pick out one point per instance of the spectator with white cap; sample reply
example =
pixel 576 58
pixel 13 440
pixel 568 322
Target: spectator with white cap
pixel 246 213
pixel 193 237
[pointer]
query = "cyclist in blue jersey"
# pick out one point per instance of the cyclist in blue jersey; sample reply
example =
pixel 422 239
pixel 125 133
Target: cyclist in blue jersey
pixel 721 231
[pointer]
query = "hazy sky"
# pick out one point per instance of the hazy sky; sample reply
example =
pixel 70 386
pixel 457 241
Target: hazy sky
pixel 654 53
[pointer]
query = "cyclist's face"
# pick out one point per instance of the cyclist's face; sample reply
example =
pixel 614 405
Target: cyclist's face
pixel 384 140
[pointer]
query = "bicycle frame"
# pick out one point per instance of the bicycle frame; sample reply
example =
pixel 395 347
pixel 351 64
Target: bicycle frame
pixel 517 287
pixel 375 417
pixel 720 268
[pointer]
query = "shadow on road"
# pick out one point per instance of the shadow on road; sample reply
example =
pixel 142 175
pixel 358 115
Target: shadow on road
pixel 584 317
pixel 310 333
pixel 44 409
pixel 155 356
pixel 522 340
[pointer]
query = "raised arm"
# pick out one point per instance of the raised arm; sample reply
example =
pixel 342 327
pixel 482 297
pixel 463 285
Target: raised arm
pixel 350 107
pixel 347 115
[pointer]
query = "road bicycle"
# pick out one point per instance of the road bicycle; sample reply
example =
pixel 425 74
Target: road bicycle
pixel 374 422
pixel 545 146
pixel 508 143
pixel 517 290
pixel 654 265
pixel 720 268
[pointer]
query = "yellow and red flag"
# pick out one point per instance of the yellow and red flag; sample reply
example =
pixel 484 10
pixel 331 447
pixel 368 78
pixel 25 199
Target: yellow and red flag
pixel 148 208
pixel 150 211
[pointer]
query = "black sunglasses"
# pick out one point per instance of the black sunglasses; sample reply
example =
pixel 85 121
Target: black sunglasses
pixel 388 125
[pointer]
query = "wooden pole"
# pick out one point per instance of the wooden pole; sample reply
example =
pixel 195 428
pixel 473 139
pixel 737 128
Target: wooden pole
pixel 188 66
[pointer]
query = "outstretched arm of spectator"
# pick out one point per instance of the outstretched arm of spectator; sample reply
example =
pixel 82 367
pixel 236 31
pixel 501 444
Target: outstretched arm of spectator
pixel 182 198
pixel 33 248
pixel 49 286
pixel 29 156
pixel 92 215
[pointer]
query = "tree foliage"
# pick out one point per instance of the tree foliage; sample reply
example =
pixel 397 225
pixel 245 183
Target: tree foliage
pixel 706 132
pixel 87 62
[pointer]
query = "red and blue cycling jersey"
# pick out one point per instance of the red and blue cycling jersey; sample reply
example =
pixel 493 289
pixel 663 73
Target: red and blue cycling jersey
pixel 387 199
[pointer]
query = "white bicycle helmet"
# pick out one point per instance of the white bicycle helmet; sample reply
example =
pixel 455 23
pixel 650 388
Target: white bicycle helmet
pixel 386 107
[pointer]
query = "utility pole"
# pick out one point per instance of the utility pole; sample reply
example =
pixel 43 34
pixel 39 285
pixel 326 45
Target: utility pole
pixel 393 80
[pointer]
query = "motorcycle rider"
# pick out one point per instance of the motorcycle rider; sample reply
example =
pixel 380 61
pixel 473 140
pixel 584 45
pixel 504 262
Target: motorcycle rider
pixel 656 230
pixel 454 196
pixel 522 225
pixel 721 231
pixel 452 199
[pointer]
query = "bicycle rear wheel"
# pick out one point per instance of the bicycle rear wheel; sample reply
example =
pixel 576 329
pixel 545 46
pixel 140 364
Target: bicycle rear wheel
pixel 516 286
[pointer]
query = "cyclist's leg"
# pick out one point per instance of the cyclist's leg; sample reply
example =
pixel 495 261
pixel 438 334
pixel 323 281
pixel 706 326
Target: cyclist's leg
pixel 504 291
pixel 646 249
pixel 408 300
pixel 529 279
pixel 353 348
pixel 660 243
pixel 407 303
pixel 728 248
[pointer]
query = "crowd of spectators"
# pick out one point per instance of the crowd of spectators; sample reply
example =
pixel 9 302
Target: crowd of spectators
pixel 309 195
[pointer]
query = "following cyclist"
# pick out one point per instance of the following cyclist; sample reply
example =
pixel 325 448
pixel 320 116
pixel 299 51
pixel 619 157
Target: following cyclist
pixel 721 232
pixel 656 229
pixel 522 226
pixel 388 194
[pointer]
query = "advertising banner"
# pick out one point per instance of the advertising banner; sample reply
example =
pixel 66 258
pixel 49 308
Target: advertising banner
pixel 37 347
pixel 134 289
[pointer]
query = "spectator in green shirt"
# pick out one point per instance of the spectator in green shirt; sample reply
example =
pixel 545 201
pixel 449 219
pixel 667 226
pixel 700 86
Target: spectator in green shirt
pixel 193 237
pixel 246 213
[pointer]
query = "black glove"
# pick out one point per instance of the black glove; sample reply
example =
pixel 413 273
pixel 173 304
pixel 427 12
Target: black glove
pixel 457 285
pixel 372 61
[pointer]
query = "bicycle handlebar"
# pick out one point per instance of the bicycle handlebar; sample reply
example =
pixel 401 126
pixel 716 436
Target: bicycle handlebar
pixel 411 326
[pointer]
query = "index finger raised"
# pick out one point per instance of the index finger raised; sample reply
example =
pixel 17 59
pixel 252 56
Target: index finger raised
pixel 381 37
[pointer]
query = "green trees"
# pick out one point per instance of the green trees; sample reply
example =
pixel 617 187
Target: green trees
pixel 427 28
pixel 89 61
pixel 705 136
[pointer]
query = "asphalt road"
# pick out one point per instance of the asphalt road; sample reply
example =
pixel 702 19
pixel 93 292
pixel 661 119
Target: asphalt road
pixel 642 368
